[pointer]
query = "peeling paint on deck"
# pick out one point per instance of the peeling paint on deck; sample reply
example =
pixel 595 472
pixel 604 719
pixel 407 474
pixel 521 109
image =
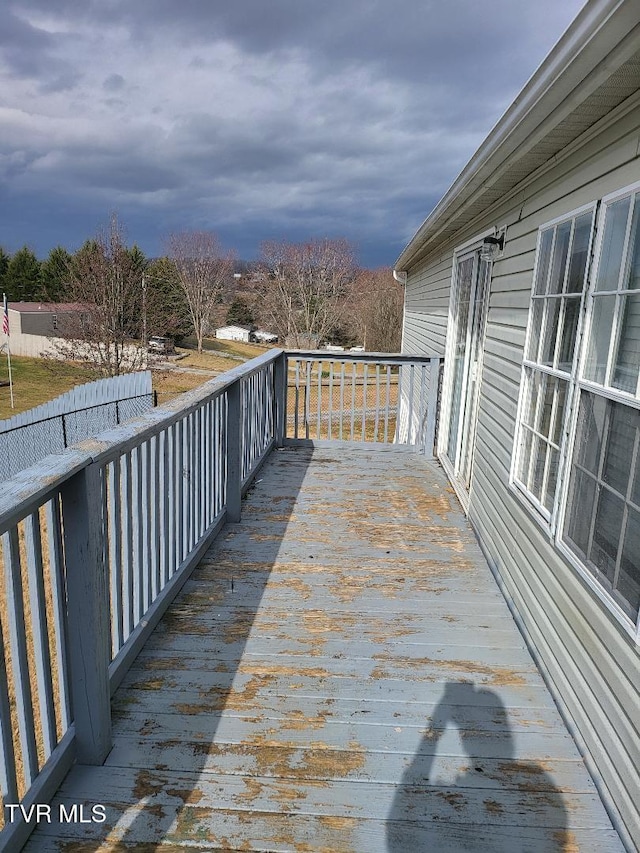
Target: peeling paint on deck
pixel 339 673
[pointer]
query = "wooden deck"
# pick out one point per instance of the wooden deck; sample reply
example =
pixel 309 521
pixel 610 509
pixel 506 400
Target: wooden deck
pixel 341 673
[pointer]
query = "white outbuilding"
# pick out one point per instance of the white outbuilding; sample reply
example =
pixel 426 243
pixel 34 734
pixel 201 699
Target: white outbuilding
pixel 233 333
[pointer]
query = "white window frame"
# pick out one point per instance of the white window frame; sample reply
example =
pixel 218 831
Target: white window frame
pixel 548 518
pixel 553 521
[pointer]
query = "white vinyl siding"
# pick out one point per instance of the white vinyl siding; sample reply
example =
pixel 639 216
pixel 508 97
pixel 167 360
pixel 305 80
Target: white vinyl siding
pixel 591 659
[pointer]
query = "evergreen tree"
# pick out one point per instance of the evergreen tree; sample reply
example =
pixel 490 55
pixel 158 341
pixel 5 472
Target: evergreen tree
pixel 22 277
pixel 166 304
pixel 54 275
pixel 240 313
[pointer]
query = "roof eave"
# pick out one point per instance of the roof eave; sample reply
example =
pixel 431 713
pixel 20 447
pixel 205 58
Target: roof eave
pixel 573 68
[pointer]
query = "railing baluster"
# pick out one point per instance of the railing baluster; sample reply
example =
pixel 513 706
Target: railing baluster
pixel 40 632
pixel 377 416
pixel 155 542
pixel 172 442
pixel 8 771
pixel 206 463
pixel 19 656
pixel 330 398
pixel 297 399
pixel 387 406
pixel 234 453
pixel 138 566
pixel 165 490
pixel 353 399
pixel 145 526
pixel 319 401
pixel 114 536
pixel 180 492
pixel 364 399
pixel 341 398
pixel 56 579
pixel 410 426
pixel 307 398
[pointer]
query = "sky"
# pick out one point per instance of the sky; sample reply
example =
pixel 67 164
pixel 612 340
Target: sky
pixel 256 119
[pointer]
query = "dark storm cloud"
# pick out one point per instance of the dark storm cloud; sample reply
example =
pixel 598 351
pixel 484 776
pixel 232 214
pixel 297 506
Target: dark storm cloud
pixel 278 119
pixel 113 83
pixel 29 51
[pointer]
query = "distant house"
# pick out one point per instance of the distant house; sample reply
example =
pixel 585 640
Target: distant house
pixel 32 325
pixel 526 278
pixel 233 333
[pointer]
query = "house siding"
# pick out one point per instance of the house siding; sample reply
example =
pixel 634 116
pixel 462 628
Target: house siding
pixel 591 660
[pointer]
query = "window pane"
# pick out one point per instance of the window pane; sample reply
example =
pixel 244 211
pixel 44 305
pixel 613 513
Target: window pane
pixel 534 389
pixel 559 419
pixel 582 493
pixel 590 431
pixel 539 449
pixel 544 254
pixel 551 331
pixel 544 421
pixel 569 330
pixel 579 253
pixel 624 422
pixel 560 250
pixel 627 359
pixel 599 338
pixel 633 277
pixel 537 310
pixel 525 455
pixel 552 479
pixel 606 534
pixel 628 584
pixel 612 245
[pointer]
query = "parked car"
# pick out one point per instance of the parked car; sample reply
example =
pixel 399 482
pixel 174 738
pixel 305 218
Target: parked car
pixel 161 346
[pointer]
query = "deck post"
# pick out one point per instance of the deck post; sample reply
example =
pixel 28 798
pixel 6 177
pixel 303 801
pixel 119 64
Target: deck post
pixel 280 399
pixel 87 614
pixel 234 453
pixel 432 408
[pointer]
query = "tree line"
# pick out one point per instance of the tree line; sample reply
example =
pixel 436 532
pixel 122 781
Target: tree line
pixel 307 293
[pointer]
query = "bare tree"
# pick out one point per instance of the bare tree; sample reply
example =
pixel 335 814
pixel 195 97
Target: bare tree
pixel 304 288
pixel 202 269
pixel 103 292
pixel 377 301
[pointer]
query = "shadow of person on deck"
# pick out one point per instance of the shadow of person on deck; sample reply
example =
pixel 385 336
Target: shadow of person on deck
pixel 496 803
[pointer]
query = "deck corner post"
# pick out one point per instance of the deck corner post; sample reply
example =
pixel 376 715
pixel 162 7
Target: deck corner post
pixel 432 408
pixel 280 398
pixel 234 453
pixel 87 614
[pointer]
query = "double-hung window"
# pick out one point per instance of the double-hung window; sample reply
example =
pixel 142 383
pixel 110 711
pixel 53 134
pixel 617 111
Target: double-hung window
pixel 577 458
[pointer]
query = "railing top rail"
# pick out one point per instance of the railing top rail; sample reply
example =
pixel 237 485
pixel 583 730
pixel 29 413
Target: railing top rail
pixel 346 355
pixel 28 489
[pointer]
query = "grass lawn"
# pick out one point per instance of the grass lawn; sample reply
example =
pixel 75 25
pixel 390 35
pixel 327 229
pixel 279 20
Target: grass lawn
pixel 36 381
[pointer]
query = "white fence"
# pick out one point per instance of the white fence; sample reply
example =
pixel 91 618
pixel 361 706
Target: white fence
pixel 80 413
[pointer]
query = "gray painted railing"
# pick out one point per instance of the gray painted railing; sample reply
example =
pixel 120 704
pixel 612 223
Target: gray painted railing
pixel 367 397
pixel 96 542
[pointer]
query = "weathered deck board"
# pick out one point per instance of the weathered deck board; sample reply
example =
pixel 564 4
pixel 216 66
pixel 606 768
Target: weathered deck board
pixel 341 673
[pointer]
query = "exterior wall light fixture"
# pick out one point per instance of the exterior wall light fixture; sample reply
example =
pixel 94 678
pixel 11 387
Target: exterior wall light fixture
pixel 492 246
